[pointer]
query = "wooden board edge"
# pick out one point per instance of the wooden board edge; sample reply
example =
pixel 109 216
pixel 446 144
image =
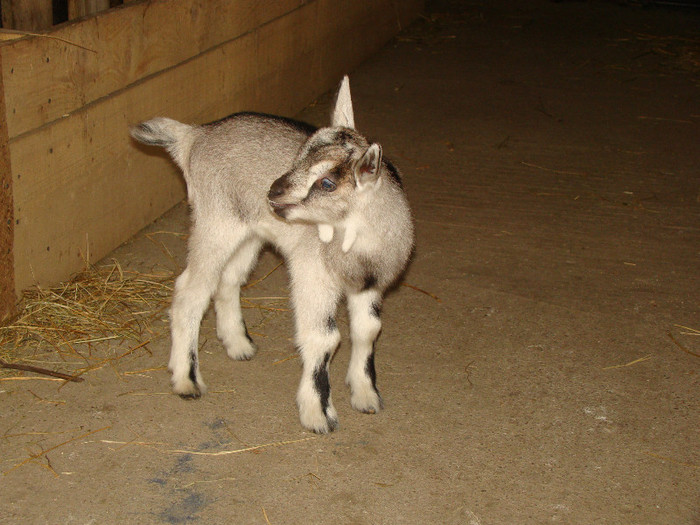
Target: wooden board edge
pixel 7 271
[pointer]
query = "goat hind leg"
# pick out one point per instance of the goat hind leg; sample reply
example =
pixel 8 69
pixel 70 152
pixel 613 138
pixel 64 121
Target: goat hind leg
pixel 193 291
pixel 230 326
pixel 190 301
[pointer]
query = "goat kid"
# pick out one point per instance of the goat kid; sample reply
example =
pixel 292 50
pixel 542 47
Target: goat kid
pixel 327 200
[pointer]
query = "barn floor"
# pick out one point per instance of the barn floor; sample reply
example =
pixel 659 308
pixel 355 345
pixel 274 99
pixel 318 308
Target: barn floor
pixel 549 373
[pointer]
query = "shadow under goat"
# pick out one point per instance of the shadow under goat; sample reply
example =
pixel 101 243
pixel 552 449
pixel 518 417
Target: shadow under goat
pixel 327 200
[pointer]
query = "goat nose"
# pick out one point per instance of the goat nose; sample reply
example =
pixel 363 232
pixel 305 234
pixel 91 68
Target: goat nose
pixel 276 189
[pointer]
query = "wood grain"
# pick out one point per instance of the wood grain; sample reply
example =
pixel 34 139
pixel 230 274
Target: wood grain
pixel 7 274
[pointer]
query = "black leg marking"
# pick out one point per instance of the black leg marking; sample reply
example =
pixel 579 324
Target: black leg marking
pixel 375 310
pixel 193 377
pixel 371 371
pixel 331 325
pixel 247 335
pixel 193 367
pixel 322 383
pixel 372 374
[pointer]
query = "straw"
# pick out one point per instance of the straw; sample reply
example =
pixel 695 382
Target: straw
pixel 99 304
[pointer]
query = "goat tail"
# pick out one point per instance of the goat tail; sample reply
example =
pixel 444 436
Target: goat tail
pixel 167 133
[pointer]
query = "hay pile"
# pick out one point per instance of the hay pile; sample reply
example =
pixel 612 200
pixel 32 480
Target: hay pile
pixel 101 303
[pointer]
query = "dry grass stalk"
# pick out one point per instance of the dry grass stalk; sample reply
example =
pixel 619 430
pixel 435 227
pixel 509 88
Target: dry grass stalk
pixel 101 303
pixel 31 379
pixel 38 370
pixel 288 358
pixel 689 330
pixel 157 445
pixel 671 460
pixel 143 371
pixel 230 391
pixel 640 360
pixel 163 248
pixel 44 452
pixel 250 285
pixel 422 291
pixel 679 345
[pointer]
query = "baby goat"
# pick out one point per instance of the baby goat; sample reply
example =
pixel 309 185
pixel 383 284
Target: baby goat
pixel 327 200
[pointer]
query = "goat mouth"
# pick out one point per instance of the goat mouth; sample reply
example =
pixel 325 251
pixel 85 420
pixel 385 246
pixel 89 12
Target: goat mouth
pixel 280 208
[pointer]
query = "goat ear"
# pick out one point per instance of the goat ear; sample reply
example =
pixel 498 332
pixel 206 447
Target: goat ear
pixel 342 113
pixel 367 168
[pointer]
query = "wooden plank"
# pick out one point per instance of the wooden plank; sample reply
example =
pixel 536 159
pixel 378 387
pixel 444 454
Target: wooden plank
pixel 81 182
pixel 7 273
pixel 27 15
pixel 79 8
pixel 47 78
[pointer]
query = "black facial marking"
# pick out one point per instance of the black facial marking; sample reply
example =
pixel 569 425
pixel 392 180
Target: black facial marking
pixel 322 383
pixel 338 173
pixel 370 281
pixel 371 371
pixel 342 137
pixel 375 310
pixel 331 325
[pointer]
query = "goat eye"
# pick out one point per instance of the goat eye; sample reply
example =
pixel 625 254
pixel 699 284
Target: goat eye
pixel 327 184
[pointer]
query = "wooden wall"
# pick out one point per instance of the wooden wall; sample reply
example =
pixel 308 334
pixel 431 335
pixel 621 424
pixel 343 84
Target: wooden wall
pixel 40 15
pixel 77 184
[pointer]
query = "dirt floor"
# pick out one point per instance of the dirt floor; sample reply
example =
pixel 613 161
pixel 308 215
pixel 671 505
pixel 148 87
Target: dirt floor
pixel 541 367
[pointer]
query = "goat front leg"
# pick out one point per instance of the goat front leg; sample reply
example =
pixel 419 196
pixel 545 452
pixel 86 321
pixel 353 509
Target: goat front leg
pixel 316 410
pixel 317 340
pixel 365 325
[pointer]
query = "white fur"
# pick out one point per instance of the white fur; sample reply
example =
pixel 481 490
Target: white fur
pixel 325 233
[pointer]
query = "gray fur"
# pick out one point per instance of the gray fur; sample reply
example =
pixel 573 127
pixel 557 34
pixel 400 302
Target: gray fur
pixel 254 179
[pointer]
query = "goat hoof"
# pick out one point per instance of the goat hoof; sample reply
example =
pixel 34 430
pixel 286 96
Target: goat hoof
pixel 241 352
pixel 331 424
pixel 367 401
pixel 318 420
pixel 187 389
pixel 189 397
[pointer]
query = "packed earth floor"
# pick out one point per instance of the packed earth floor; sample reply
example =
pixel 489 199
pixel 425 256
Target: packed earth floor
pixel 539 361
